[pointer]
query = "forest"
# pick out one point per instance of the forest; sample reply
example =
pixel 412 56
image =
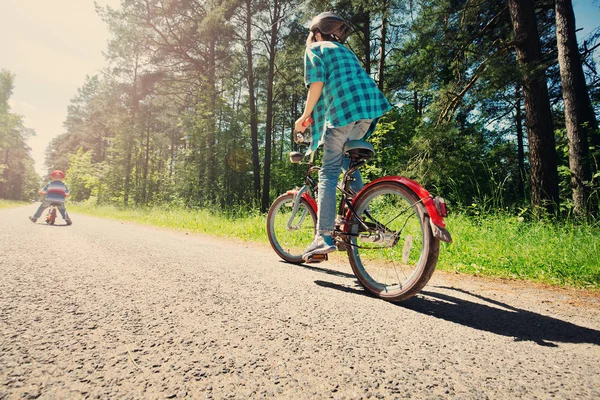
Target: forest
pixel 495 105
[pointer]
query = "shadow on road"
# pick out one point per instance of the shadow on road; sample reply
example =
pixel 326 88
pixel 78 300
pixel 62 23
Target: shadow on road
pixel 501 319
pixel 323 270
pixel 489 315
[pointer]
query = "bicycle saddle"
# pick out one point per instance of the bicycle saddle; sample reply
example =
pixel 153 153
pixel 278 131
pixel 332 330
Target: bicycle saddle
pixel 296 157
pixel 358 149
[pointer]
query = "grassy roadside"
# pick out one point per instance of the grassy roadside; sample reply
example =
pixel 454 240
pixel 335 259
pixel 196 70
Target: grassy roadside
pixel 560 254
pixel 503 246
pixel 198 221
pixel 10 203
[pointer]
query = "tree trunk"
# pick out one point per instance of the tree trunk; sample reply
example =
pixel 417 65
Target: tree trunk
pixel 146 162
pixel 269 117
pixel 130 139
pixel 211 134
pixel 381 64
pixel 366 29
pixel 520 141
pixel 4 181
pixel 542 150
pixel 579 114
pixel 252 103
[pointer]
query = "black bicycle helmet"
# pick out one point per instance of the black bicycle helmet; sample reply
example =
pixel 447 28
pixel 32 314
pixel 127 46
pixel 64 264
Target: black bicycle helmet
pixel 332 25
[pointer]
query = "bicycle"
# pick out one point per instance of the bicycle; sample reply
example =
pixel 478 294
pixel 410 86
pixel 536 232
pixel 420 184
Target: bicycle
pixel 391 229
pixel 51 214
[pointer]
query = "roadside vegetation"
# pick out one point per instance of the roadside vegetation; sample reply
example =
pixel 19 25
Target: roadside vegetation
pixel 500 245
pixel 10 203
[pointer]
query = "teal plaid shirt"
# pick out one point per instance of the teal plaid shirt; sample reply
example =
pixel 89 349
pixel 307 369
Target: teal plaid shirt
pixel 349 93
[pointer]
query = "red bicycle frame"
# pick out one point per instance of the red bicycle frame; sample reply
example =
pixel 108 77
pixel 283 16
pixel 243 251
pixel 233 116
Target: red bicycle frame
pixel 436 206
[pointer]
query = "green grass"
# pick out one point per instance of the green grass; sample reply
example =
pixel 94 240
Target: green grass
pixel 11 203
pixel 560 254
pixel 250 228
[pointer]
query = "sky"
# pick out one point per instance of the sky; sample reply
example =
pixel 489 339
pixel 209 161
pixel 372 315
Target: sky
pixel 51 45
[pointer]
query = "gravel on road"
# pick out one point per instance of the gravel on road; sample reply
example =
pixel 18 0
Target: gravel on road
pixel 106 309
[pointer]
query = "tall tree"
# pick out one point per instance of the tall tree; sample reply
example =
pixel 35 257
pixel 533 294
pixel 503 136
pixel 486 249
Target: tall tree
pixel 252 100
pixel 542 151
pixel 579 114
pixel 277 12
pixel 520 141
pixel 382 44
pixel 18 179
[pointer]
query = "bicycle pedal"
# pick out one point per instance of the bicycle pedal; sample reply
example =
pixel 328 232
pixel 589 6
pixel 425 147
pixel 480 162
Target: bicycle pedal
pixel 316 258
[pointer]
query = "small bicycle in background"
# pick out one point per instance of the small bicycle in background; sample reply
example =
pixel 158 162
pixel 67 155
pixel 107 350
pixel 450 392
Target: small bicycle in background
pixel 391 229
pixel 51 213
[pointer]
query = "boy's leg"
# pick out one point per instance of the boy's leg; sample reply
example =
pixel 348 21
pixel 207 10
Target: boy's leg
pixel 331 166
pixel 44 204
pixel 358 132
pixel 63 212
pixel 329 174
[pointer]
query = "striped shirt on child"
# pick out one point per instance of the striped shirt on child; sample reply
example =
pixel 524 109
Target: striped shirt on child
pixel 55 191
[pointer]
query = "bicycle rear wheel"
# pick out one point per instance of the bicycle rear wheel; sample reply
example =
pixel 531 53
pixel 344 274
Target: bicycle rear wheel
pixel 51 216
pixel 290 236
pixel 395 255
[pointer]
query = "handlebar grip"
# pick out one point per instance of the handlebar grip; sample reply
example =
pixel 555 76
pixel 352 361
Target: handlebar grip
pixel 307 121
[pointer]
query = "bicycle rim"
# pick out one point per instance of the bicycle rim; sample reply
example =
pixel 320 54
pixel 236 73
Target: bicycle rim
pixel 394 258
pixel 289 236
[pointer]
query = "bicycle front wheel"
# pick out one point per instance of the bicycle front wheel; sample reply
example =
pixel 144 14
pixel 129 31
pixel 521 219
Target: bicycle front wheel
pixel 392 249
pixel 291 233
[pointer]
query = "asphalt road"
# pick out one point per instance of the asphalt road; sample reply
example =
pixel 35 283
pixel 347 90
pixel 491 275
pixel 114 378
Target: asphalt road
pixel 104 309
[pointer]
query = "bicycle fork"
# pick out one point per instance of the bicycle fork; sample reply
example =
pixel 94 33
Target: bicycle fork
pixel 296 205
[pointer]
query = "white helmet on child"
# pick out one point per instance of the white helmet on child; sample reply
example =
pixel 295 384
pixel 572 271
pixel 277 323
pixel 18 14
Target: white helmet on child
pixel 331 26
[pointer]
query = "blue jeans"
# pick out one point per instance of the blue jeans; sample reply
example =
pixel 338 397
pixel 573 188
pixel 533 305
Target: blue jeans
pixel 46 203
pixel 332 164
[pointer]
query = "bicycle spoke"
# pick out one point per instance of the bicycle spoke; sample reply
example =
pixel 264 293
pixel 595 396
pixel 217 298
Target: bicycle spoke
pixel 390 259
pixel 290 233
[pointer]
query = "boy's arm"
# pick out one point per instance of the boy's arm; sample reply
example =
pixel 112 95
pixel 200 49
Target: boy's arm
pixel 43 190
pixel 314 93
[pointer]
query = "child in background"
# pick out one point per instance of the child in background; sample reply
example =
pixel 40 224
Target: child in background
pixel 345 104
pixel 55 193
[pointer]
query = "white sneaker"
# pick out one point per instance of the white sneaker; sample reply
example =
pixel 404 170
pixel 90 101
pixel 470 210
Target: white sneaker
pixel 321 245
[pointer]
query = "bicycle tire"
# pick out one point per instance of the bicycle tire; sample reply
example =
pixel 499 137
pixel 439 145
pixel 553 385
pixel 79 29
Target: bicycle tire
pixel 290 244
pixel 396 263
pixel 53 216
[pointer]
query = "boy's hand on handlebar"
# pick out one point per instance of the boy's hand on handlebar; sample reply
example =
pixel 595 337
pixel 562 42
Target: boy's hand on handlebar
pixel 302 123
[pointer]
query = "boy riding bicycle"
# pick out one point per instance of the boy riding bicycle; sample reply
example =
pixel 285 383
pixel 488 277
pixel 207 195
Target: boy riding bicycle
pixel 344 103
pixel 54 192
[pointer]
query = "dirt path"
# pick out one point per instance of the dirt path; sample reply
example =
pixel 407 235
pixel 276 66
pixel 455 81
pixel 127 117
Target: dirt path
pixel 104 309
